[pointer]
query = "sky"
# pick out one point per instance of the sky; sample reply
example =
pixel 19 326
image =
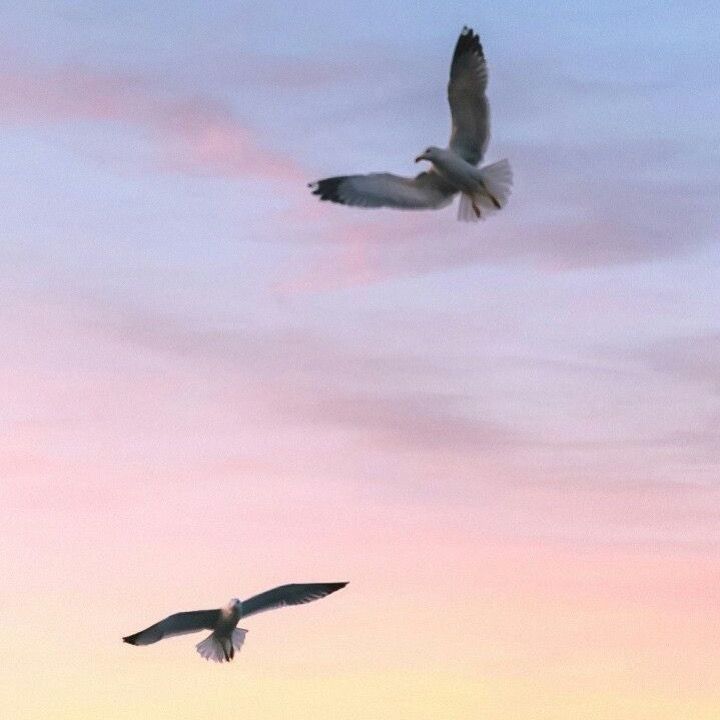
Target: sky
pixel 505 435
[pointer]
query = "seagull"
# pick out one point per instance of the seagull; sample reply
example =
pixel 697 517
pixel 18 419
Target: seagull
pixel 226 637
pixel 453 169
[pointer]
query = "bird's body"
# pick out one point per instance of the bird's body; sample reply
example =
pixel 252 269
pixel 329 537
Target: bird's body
pixel 477 186
pixel 226 637
pixel 455 168
pixel 229 616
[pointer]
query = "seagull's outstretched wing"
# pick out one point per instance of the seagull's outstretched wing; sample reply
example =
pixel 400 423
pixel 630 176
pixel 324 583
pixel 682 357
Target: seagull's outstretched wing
pixel 425 191
pixel 179 624
pixel 296 594
pixel 466 93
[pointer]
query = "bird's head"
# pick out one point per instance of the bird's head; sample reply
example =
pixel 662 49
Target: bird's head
pixel 428 154
pixel 234 604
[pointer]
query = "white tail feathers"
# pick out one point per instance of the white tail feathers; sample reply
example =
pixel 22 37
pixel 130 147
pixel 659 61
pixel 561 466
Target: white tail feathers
pixel 465 209
pixel 496 183
pixel 221 648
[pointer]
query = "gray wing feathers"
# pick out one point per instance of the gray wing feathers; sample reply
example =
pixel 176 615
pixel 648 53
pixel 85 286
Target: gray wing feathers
pixel 425 191
pixel 178 624
pixel 295 594
pixel 468 104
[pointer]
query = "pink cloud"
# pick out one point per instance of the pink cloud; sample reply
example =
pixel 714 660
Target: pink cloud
pixel 193 134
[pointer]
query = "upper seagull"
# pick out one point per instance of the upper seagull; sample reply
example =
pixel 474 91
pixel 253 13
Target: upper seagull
pixel 226 637
pixel 454 169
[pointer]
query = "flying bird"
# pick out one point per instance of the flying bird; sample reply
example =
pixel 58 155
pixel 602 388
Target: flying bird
pixel 453 169
pixel 226 637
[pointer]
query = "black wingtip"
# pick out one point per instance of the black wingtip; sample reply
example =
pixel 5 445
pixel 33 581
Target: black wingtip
pixel 130 639
pixel 328 188
pixel 468 42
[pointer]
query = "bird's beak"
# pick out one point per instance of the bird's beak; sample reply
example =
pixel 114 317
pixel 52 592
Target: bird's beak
pixel 419 158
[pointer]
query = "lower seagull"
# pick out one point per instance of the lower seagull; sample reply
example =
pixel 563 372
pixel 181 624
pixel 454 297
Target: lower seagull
pixel 226 637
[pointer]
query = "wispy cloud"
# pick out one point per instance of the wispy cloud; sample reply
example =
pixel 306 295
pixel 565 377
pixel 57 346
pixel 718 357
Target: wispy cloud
pixel 692 358
pixel 314 379
pixel 193 134
pixel 421 421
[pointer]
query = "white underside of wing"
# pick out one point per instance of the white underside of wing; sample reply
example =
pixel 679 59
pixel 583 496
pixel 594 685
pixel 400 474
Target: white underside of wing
pixel 389 190
pixel 468 103
pixel 425 191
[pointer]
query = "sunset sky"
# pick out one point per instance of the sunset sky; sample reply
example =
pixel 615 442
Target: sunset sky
pixel 505 435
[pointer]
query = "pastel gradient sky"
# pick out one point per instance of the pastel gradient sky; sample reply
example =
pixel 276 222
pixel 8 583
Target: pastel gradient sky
pixel 505 435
